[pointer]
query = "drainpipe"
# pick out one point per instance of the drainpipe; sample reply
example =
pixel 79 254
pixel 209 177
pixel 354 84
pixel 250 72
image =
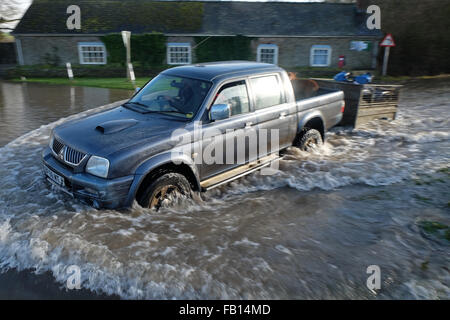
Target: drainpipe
pixel 19 52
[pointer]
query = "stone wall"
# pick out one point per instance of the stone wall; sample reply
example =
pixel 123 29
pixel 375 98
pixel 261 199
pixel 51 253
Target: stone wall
pixel 292 51
pixel 295 52
pixel 34 49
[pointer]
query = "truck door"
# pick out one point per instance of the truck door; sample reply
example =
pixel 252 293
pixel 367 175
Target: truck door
pixel 273 113
pixel 237 131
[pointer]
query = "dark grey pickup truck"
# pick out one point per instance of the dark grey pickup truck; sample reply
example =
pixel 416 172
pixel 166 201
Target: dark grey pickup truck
pixel 191 128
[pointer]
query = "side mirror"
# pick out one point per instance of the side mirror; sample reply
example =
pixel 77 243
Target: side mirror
pixel 137 89
pixel 219 112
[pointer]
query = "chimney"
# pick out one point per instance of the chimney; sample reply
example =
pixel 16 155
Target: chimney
pixel 360 11
pixel 361 5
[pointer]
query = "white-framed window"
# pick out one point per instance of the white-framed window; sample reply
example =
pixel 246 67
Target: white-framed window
pixel 92 52
pixel 178 53
pixel 320 56
pixel 267 53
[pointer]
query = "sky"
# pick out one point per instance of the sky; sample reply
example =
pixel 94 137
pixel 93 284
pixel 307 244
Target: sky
pixel 23 6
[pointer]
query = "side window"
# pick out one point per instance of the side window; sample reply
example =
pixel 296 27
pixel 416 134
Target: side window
pixel 267 91
pixel 235 95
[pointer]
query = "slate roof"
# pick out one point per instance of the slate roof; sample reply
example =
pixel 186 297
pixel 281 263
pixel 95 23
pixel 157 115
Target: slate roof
pixel 196 17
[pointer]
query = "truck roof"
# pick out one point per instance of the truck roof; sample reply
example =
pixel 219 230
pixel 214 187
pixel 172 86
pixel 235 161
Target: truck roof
pixel 212 70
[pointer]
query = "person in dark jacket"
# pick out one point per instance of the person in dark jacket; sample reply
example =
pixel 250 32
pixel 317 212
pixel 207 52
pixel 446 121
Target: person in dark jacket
pixel 183 101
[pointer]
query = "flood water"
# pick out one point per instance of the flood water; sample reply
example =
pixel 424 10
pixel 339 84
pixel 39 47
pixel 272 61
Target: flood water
pixel 308 232
pixel 27 106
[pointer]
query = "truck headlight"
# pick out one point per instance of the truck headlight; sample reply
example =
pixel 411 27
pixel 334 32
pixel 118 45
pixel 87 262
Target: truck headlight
pixel 50 142
pixel 98 166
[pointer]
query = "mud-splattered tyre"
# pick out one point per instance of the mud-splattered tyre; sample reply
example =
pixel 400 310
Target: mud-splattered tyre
pixel 308 139
pixel 163 188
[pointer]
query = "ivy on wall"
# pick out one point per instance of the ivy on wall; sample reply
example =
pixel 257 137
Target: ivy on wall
pixel 114 48
pixel 150 49
pixel 147 49
pixel 223 48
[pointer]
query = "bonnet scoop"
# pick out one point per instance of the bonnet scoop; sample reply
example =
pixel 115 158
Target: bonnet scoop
pixel 114 126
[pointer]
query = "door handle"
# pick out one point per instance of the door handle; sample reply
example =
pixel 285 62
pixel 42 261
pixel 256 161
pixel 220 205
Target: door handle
pixel 282 115
pixel 248 125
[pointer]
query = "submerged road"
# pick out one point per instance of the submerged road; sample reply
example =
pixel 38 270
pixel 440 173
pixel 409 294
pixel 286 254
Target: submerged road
pixel 369 197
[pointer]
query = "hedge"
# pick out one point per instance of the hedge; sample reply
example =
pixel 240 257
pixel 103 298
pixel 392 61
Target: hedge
pixel 147 49
pixel 150 49
pixel 223 48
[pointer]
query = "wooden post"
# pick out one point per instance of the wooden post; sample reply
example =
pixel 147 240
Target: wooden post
pixel 126 37
pixel 131 74
pixel 69 71
pixel 386 59
pixel 128 60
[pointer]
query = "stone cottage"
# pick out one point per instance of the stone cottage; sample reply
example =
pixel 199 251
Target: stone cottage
pixel 284 33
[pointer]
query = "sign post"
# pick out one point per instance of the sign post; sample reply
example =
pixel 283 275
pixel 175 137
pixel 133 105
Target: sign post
pixel 126 37
pixel 387 43
pixel 69 70
pixel 131 73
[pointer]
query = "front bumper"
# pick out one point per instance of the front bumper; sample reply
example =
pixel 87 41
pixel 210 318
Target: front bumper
pixel 98 192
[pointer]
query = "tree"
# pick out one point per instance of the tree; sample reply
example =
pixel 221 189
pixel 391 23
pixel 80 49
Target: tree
pixel 420 29
pixel 10 12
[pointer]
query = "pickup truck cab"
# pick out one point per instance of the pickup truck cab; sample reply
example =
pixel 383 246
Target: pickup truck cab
pixel 137 151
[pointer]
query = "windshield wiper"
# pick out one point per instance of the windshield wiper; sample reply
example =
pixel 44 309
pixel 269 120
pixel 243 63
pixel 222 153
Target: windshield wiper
pixel 188 115
pixel 139 104
pixel 144 107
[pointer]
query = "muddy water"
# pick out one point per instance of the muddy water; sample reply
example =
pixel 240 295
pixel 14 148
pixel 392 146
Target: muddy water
pixel 310 231
pixel 27 106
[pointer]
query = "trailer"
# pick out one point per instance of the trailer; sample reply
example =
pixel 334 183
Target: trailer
pixel 364 103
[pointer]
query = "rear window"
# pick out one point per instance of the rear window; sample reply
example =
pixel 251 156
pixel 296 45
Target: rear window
pixel 267 91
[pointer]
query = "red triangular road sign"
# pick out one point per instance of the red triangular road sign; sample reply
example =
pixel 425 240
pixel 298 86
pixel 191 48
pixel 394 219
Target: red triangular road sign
pixel 388 41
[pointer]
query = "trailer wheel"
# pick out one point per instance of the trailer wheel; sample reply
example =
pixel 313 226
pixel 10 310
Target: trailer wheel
pixel 308 139
pixel 165 187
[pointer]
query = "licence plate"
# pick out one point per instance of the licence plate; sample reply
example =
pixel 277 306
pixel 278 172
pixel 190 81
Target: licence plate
pixel 54 177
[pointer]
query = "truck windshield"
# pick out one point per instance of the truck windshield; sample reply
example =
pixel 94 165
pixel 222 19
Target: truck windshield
pixel 175 95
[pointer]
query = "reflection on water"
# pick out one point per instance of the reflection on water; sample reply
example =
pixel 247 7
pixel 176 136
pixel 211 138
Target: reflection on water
pixel 310 231
pixel 27 106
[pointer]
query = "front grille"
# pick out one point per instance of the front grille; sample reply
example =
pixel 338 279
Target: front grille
pixel 57 146
pixel 73 156
pixel 67 154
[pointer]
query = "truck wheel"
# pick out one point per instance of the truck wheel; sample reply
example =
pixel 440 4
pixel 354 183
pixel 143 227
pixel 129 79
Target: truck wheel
pixel 163 188
pixel 308 139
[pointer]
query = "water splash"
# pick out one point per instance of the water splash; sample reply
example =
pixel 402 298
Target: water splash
pixel 257 237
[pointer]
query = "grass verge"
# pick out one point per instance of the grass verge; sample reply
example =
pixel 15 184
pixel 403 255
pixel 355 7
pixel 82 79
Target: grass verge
pixel 110 83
